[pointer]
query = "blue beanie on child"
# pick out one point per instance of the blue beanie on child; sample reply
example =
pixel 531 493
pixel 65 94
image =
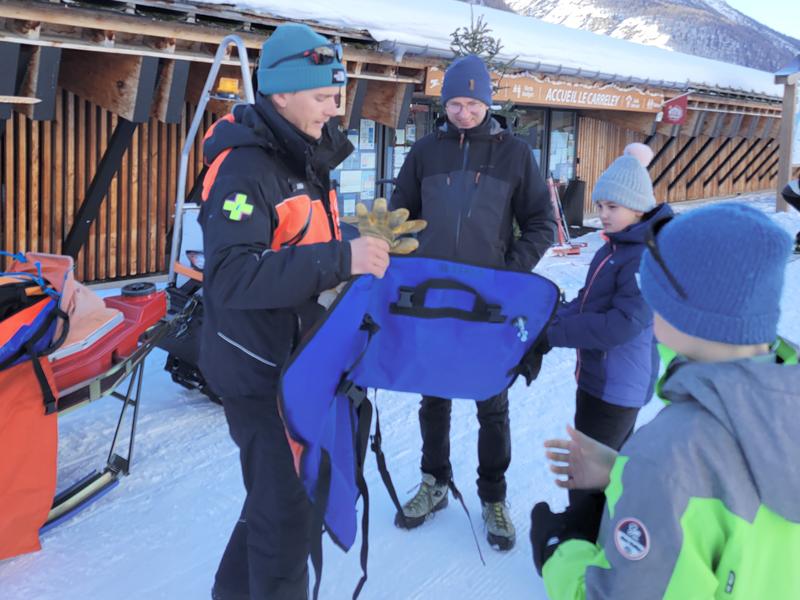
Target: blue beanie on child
pixel 467 77
pixel 626 183
pixel 730 259
pixel 298 73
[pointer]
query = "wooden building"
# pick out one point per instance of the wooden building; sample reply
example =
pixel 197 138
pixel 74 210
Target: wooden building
pixel 91 170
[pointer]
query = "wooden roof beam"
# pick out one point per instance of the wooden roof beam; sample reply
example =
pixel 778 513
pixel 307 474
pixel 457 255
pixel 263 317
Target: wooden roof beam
pixel 41 81
pixel 170 93
pixel 29 29
pixel 387 103
pixel 119 22
pixel 9 64
pixel 121 84
pixel 354 102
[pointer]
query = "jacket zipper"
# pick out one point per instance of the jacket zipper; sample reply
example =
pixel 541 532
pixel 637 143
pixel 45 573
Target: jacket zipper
pixel 463 168
pixel 586 295
pixel 249 353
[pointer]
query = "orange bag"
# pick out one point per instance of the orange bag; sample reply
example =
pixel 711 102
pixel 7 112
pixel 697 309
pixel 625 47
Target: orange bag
pixel 28 457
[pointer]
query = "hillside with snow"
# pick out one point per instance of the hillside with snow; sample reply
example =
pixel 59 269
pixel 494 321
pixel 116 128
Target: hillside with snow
pixel 708 28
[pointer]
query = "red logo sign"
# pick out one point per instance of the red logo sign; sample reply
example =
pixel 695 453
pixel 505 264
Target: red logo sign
pixel 675 110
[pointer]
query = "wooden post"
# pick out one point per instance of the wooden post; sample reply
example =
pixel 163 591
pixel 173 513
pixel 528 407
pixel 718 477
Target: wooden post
pixel 788 76
pixel 41 82
pixel 9 60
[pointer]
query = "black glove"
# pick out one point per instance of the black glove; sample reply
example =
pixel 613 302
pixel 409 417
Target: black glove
pixel 531 363
pixel 549 529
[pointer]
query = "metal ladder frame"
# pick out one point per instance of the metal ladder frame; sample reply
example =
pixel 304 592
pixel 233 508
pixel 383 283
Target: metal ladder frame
pixel 205 96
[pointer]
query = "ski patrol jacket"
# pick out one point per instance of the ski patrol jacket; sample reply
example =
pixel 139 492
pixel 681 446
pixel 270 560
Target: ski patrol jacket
pixel 271 242
pixel 610 324
pixel 468 185
pixel 702 501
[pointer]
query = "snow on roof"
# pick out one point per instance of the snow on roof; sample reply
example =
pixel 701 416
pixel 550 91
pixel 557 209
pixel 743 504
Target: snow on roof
pixel 424 26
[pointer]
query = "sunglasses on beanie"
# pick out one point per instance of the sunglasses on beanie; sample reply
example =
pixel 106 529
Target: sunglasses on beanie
pixel 321 55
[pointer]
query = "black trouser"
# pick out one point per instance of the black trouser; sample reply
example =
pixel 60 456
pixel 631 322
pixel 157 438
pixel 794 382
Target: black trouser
pixel 267 554
pixel 609 424
pixel 494 443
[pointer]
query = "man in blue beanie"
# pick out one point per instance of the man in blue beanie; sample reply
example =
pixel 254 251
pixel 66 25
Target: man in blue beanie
pixel 470 179
pixel 272 244
pixel 702 501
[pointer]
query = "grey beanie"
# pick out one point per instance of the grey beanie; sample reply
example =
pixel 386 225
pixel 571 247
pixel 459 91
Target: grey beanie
pixel 627 183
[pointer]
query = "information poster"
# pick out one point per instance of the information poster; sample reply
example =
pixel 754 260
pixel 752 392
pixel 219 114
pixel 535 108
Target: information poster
pixel 350 181
pixel 357 173
pixel 367 160
pixel 367 137
pixel 368 185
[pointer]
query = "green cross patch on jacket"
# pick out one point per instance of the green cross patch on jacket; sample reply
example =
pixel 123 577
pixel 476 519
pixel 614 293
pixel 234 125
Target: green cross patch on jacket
pixel 236 207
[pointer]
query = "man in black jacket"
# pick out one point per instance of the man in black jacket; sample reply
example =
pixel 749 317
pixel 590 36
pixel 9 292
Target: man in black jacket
pixel 272 244
pixel 469 180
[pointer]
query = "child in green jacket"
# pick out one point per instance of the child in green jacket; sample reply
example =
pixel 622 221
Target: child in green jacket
pixel 703 501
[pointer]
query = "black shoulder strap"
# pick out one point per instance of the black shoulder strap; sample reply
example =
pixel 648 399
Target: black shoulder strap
pixel 28 349
pixel 364 413
pixel 321 492
pixel 380 458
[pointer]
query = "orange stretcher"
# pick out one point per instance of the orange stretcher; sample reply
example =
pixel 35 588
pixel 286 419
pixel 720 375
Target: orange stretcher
pixel 107 343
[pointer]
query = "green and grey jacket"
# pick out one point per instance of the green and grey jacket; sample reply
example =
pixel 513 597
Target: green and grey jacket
pixel 704 501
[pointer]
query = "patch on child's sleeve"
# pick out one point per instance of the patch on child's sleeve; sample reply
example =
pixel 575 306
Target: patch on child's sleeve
pixel 632 538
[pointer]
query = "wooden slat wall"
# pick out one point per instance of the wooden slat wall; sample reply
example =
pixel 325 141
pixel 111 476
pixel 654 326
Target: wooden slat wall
pixel 47 166
pixel 600 142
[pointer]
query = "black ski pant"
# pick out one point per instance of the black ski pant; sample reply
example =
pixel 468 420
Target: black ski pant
pixel 267 554
pixel 494 443
pixel 609 424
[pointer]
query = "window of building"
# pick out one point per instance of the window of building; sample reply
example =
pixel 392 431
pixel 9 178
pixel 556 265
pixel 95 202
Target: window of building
pixel 562 147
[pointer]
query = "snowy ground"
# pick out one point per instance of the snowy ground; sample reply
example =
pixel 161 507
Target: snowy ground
pixel 161 532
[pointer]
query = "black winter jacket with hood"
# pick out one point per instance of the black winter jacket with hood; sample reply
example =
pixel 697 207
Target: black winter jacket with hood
pixel 271 243
pixel 468 185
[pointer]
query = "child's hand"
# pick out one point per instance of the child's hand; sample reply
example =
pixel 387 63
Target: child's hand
pixel 586 462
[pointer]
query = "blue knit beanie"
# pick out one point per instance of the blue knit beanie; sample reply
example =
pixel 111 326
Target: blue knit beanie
pixel 467 78
pixel 298 73
pixel 627 183
pixel 730 260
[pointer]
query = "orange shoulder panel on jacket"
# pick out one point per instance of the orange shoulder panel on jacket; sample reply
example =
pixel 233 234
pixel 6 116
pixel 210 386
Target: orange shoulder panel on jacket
pixel 210 131
pixel 211 174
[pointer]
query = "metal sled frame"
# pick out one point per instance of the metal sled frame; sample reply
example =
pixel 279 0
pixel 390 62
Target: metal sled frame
pixel 96 484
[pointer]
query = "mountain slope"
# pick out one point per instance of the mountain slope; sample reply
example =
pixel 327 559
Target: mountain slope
pixel 708 28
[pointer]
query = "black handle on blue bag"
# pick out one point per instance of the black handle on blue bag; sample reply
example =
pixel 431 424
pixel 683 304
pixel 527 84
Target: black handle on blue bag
pixel 411 303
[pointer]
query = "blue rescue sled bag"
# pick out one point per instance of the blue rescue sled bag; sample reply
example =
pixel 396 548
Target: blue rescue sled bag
pixel 462 332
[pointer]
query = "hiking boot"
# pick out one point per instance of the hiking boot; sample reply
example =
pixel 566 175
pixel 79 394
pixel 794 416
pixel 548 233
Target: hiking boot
pixel 499 529
pixel 430 497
